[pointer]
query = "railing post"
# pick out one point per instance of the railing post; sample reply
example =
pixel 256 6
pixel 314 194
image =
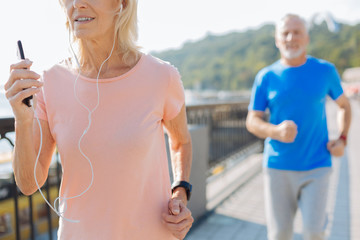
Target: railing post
pixel 16 208
pixel 47 187
pixel 31 217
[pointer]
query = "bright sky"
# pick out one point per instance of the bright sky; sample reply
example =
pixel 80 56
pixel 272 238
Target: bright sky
pixel 163 24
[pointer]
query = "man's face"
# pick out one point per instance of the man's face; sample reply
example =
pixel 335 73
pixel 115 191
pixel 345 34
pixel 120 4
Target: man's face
pixel 291 38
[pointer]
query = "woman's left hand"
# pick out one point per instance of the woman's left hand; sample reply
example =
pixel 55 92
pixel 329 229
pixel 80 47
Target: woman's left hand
pixel 178 220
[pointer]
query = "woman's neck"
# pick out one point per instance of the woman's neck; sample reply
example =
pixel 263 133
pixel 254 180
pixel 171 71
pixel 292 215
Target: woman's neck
pixel 94 54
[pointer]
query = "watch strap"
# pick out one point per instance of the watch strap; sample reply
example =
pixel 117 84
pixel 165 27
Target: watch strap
pixel 184 184
pixel 344 138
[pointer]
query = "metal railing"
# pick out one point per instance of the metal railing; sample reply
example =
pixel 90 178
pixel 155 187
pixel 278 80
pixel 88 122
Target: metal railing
pixel 227 127
pixel 24 219
pixel 227 131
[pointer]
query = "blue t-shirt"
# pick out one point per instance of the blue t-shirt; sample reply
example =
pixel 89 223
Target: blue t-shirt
pixel 297 94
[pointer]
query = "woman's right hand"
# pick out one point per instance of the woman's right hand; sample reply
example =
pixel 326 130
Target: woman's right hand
pixel 22 83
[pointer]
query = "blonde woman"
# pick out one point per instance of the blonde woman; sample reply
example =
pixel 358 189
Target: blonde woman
pixel 105 111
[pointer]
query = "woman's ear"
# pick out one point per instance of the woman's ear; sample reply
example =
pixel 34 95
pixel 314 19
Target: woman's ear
pixel 124 3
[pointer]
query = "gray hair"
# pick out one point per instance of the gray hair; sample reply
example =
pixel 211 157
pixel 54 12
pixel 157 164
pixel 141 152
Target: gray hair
pixel 288 16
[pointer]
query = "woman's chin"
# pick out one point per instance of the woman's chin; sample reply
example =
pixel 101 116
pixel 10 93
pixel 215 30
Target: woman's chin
pixel 83 35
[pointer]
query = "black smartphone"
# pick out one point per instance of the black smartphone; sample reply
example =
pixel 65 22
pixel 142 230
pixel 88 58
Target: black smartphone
pixel 21 54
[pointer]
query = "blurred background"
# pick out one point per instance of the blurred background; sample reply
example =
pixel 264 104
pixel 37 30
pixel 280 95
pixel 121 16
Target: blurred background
pixel 218 47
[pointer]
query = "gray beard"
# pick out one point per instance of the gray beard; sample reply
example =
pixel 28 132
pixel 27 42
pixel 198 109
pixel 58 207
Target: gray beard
pixel 292 54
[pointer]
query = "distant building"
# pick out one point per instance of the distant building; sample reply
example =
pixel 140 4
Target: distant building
pixel 351 81
pixel 351 75
pixel 332 24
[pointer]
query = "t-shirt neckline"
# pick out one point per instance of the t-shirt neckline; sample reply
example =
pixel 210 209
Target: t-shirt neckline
pixel 128 73
pixel 308 57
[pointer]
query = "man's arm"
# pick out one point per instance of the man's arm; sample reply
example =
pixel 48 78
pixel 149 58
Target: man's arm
pixel 344 114
pixel 284 132
pixel 337 147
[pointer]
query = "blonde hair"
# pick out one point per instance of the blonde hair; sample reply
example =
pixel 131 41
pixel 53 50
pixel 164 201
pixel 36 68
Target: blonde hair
pixel 126 32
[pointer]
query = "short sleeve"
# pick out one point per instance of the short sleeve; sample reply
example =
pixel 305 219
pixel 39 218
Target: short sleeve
pixel 40 105
pixel 174 96
pixel 334 81
pixel 258 100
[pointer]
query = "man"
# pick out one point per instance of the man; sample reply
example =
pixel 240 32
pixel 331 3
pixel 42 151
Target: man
pixel 297 153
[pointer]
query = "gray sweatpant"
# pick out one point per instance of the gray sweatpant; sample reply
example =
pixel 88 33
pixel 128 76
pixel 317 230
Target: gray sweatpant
pixel 285 191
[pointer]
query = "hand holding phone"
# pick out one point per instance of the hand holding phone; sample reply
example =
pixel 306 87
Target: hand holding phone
pixel 26 101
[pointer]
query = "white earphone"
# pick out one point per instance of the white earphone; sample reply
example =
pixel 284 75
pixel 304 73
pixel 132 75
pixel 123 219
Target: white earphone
pixel 57 200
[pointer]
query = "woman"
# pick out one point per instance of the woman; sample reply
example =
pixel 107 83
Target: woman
pixel 106 116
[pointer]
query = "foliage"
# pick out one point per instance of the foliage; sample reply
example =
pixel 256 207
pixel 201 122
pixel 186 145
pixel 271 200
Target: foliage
pixel 231 61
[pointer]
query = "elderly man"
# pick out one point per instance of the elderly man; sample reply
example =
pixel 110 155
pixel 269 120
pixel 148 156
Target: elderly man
pixel 297 153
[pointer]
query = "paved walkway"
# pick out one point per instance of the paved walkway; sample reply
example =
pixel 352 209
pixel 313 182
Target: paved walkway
pixel 241 215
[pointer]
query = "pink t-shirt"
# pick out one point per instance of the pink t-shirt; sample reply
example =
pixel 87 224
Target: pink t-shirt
pixel 125 145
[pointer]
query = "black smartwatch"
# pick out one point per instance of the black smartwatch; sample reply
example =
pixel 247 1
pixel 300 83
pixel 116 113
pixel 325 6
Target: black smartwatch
pixel 187 186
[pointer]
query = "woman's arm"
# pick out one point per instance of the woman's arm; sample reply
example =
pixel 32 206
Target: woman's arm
pixel 27 144
pixel 23 83
pixel 181 151
pixel 178 219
